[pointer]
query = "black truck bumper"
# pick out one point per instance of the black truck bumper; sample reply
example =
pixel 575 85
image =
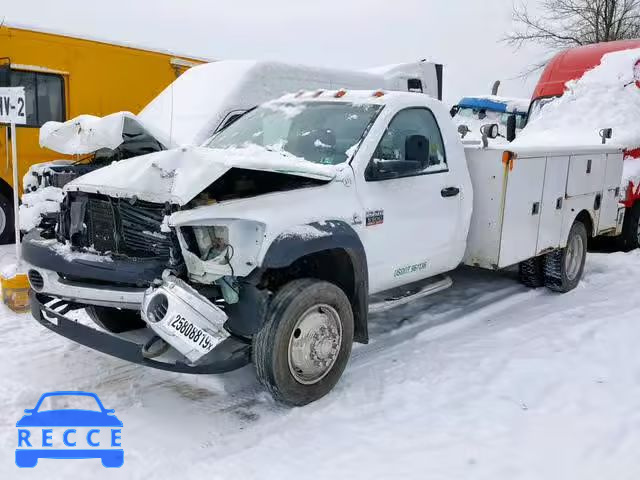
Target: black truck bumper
pixel 230 354
pixel 113 270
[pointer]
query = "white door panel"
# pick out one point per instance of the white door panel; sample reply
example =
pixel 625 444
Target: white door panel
pixel 553 203
pixel 586 174
pixel 522 209
pixel 418 226
pixel 611 189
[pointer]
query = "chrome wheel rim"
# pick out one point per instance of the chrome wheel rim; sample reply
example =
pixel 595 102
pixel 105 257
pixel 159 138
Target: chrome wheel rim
pixel 573 258
pixel 315 344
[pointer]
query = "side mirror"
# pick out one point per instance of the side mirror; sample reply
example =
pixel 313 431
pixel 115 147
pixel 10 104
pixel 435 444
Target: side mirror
pixel 490 130
pixel 463 130
pixel 606 134
pixel 416 149
pixel 511 128
pixel 454 110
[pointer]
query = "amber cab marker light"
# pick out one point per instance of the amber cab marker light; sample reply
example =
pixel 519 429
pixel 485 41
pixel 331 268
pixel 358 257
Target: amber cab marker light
pixel 340 93
pixel 378 94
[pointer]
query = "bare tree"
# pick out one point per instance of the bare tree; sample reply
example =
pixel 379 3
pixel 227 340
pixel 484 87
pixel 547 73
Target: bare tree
pixel 570 23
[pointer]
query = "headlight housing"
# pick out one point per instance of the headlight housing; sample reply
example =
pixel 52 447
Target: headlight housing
pixel 227 247
pixel 212 241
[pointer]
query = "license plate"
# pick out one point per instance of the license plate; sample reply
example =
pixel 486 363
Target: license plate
pixel 195 336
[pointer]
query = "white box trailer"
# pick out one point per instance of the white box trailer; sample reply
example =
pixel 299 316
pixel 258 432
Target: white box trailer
pixel 524 201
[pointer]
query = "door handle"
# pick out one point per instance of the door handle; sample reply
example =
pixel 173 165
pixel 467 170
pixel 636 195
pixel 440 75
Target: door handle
pixel 450 192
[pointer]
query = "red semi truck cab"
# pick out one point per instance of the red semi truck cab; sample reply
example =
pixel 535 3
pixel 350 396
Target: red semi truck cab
pixel 571 65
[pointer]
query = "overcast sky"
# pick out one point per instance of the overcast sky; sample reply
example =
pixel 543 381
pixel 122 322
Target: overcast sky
pixel 462 34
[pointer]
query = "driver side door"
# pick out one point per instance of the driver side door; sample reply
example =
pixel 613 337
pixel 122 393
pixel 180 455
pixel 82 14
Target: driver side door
pixel 411 203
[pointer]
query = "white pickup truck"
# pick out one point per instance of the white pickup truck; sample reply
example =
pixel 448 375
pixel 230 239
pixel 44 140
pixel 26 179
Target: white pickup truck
pixel 273 242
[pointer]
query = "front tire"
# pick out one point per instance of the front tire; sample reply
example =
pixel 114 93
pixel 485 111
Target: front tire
pixel 563 268
pixel 115 320
pixel 7 228
pixel 305 342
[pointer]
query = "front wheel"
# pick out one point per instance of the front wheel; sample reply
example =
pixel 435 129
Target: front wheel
pixel 305 342
pixel 7 228
pixel 563 268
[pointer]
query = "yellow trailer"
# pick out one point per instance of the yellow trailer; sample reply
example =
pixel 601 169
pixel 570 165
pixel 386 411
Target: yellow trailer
pixel 64 77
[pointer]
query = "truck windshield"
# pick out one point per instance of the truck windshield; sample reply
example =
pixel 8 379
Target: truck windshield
pixel 319 132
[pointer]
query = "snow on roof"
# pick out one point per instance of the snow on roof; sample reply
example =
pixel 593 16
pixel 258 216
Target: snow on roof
pixel 605 97
pixel 189 110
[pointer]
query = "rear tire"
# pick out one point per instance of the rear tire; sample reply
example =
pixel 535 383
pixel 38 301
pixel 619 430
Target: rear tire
pixel 305 343
pixel 563 268
pixel 630 238
pixel 7 230
pixel 115 320
pixel 531 272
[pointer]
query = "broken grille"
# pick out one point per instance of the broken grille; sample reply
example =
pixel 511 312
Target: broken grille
pixel 120 226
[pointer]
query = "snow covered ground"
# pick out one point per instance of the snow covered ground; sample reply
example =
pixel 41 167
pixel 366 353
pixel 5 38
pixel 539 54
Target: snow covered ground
pixel 487 380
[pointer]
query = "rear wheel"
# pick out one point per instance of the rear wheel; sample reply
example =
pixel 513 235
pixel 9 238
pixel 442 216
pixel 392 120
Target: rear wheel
pixel 305 343
pixel 115 320
pixel 630 237
pixel 7 229
pixel 531 272
pixel 563 268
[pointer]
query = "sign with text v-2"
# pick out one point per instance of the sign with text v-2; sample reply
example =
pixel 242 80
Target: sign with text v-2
pixel 13 106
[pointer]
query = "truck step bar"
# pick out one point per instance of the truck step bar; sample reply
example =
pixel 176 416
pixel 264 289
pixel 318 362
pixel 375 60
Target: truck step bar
pixel 390 299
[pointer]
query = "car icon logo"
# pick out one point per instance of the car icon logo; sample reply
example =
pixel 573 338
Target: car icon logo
pixel 70 432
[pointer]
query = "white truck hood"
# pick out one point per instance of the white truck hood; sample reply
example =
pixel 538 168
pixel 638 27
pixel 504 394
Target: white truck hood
pixel 179 175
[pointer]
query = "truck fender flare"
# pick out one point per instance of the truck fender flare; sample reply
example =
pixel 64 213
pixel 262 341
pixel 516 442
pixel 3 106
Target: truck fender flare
pixel 321 237
pixel 584 216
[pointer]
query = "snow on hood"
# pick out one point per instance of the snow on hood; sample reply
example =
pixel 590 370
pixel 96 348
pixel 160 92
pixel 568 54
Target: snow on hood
pixel 605 97
pixel 87 133
pixel 179 175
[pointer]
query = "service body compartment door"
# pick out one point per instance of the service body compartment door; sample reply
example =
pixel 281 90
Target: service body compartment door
pixel 522 208
pixel 553 202
pixel 585 174
pixel 610 193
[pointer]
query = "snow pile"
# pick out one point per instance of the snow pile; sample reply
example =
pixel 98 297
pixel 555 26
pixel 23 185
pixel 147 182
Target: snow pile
pixel 38 203
pixel 486 381
pixel 605 97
